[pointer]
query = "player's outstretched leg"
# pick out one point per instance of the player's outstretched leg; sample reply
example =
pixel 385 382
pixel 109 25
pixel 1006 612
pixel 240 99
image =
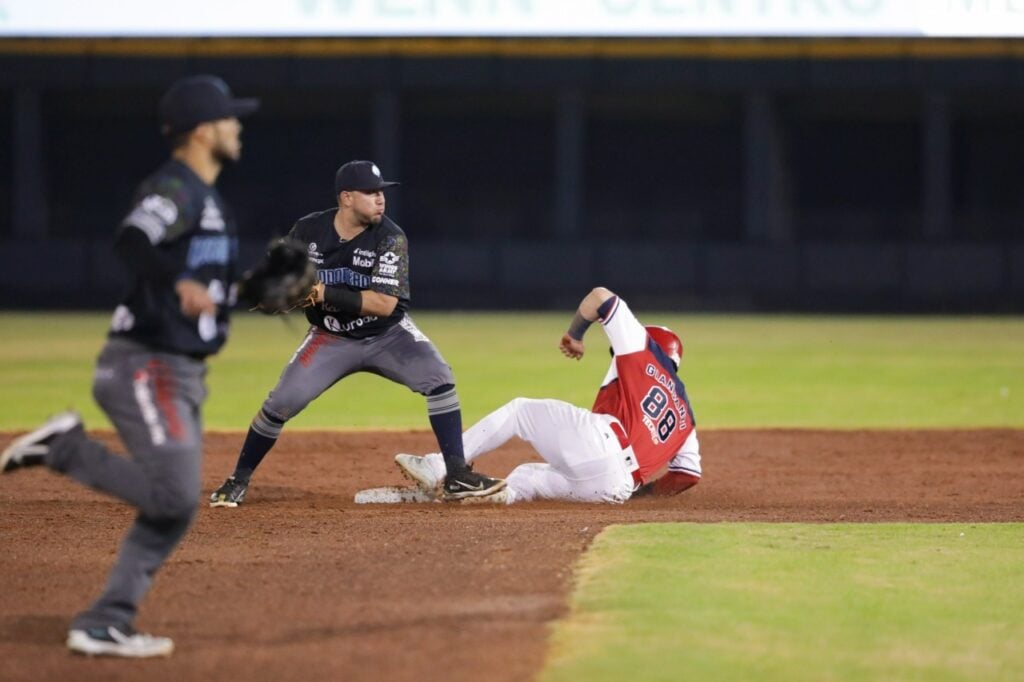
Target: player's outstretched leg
pixel 263 434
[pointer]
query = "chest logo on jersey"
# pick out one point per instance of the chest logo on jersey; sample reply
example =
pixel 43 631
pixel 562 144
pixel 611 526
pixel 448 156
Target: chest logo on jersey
pixel 363 258
pixel 211 219
pixel 347 276
pixel 314 255
pixel 332 323
pixel 208 251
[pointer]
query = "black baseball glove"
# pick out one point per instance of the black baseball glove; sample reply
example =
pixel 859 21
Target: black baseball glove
pixel 283 281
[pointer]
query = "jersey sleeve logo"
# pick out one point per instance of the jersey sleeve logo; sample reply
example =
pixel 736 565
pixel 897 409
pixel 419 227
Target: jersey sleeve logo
pixel 388 268
pixel 153 215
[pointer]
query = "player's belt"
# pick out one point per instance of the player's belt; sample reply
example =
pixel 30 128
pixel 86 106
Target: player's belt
pixel 619 432
pixel 628 458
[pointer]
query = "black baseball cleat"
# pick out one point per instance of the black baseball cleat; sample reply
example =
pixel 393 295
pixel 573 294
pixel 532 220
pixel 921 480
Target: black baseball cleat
pixel 468 483
pixel 31 449
pixel 230 494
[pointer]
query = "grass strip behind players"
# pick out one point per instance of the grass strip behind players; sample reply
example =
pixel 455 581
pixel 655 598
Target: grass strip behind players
pixel 741 370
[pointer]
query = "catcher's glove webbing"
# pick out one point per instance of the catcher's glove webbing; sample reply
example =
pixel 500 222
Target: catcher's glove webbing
pixel 282 282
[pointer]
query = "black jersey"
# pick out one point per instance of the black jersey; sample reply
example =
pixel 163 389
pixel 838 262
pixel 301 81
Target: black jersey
pixel 376 260
pixel 193 229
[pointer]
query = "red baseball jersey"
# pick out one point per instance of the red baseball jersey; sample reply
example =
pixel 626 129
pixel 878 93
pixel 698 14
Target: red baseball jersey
pixel 643 391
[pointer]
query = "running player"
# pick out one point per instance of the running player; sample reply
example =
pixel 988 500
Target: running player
pixel 641 421
pixel 359 323
pixel 179 243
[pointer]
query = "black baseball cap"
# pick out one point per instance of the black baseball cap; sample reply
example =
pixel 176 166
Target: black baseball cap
pixel 359 176
pixel 198 99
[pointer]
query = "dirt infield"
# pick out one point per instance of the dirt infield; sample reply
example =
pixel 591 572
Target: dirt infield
pixel 301 583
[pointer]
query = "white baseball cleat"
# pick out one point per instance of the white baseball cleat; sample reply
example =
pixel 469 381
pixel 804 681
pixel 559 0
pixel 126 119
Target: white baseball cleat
pixel 503 496
pixel 419 471
pixel 32 448
pixel 111 641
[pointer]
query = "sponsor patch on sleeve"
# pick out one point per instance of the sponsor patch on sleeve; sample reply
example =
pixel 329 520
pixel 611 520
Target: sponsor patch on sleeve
pixel 153 215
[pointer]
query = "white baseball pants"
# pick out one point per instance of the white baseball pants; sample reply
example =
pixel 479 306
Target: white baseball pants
pixel 583 460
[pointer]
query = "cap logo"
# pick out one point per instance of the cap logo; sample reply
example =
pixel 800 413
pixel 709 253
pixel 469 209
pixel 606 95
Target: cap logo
pixel 376 171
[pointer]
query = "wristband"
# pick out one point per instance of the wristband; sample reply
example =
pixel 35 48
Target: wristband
pixel 345 300
pixel 578 327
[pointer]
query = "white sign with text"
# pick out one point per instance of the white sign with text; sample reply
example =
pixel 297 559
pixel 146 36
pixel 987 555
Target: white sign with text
pixel 512 18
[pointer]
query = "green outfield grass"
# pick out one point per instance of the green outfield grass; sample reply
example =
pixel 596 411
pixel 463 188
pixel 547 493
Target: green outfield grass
pixel 791 602
pixel 740 370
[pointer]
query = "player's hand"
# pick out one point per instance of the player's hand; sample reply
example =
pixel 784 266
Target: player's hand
pixel 317 295
pixel 195 299
pixel 571 348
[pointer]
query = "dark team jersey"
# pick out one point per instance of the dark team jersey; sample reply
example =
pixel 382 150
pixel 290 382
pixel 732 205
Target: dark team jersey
pixel 376 260
pixel 194 231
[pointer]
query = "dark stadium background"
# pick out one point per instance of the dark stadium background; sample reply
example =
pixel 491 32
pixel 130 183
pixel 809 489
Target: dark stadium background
pixel 803 175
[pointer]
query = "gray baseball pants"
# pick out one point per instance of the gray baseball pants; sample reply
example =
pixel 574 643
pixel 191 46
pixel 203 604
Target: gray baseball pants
pixel 153 399
pixel 402 354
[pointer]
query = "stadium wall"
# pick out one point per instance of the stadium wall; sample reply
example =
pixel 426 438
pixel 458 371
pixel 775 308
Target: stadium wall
pixel 748 174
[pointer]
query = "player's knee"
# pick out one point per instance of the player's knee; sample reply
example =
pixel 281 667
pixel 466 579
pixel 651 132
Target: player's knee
pixel 173 502
pixel 520 403
pixel 280 406
pixel 516 404
pixel 174 498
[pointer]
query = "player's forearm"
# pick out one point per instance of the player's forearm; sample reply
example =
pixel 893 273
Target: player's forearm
pixel 376 303
pixel 671 483
pixel 592 302
pixel 356 302
pixel 144 260
pixel 588 312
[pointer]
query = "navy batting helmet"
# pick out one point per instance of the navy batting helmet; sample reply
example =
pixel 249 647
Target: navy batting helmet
pixel 667 341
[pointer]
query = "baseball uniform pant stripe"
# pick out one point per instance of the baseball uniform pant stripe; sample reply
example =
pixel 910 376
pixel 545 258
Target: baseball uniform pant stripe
pixel 267 426
pixel 443 403
pixel 166 388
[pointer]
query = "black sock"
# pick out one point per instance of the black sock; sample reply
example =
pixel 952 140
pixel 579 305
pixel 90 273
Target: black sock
pixel 446 421
pixel 254 449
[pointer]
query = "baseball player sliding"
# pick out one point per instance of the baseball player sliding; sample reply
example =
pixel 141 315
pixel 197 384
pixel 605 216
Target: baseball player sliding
pixel 359 323
pixel 641 421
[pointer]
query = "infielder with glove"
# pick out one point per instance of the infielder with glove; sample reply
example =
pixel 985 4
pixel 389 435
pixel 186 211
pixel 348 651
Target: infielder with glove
pixel 641 421
pixel 359 323
pixel 179 243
